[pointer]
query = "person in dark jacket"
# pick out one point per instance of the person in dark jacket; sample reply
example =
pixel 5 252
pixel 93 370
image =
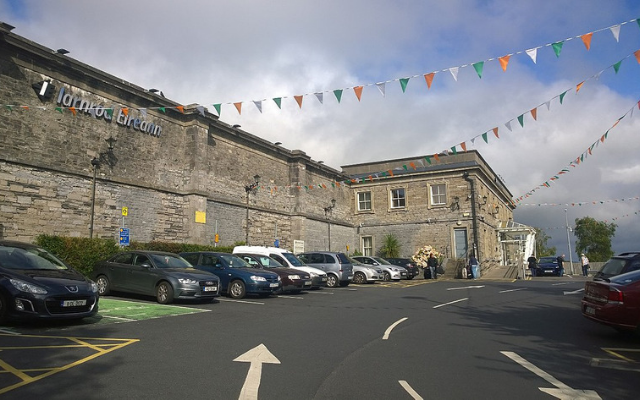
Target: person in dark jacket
pixel 432 263
pixel 560 261
pixel 532 264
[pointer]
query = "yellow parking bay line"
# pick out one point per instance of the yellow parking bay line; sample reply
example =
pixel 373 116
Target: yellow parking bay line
pixel 100 346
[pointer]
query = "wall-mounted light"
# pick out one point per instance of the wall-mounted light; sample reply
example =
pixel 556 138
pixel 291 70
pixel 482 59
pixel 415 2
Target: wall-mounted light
pixel 456 204
pixel 484 200
pixel 329 209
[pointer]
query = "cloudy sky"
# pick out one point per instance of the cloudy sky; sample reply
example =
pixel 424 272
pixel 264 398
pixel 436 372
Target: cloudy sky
pixel 245 51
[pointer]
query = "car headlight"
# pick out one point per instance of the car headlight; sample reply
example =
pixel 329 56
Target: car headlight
pixel 187 281
pixel 293 277
pixel 256 278
pixel 94 286
pixel 27 287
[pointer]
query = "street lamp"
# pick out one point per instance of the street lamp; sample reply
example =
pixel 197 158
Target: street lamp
pixel 328 210
pixel 95 162
pixel 566 220
pixel 250 188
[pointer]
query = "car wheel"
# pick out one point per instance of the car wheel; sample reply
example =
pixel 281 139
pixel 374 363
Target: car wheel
pixel 104 286
pixel 332 280
pixel 3 309
pixel 237 290
pixel 359 278
pixel 164 293
pixel 387 277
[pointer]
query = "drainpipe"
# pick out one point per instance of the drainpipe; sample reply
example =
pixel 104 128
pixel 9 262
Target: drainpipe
pixel 474 219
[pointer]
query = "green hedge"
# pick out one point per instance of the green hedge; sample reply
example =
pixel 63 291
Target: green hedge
pixel 83 253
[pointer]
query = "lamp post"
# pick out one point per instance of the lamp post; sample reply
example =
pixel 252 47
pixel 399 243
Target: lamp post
pixel 250 188
pixel 566 220
pixel 95 162
pixel 328 210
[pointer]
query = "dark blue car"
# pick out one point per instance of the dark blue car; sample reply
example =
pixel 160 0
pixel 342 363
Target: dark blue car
pixel 237 278
pixel 548 266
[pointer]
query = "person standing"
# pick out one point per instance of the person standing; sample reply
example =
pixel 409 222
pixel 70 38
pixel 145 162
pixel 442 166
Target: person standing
pixel 560 261
pixel 432 263
pixel 532 264
pixel 585 265
pixel 475 266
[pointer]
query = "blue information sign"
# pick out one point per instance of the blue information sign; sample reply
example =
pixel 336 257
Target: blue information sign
pixel 124 236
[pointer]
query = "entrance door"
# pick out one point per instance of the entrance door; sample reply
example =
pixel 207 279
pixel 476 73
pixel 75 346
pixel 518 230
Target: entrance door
pixel 460 238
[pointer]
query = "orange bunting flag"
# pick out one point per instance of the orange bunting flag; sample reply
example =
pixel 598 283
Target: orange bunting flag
pixel 579 86
pixel 589 150
pixel 390 172
pixel 358 91
pixel 586 39
pixel 436 157
pixel 412 165
pixel 464 146
pixel 298 100
pixel 495 132
pixel 125 111
pixel 637 54
pixel 534 114
pixel 504 61
pixel 180 108
pixel 73 110
pixel 371 178
pixel 429 77
pixel 238 107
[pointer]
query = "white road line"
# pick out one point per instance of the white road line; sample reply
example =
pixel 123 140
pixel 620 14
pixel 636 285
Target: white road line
pixel 451 302
pixel 511 290
pixel 119 318
pixel 561 283
pixel 242 301
pixel 466 287
pixel 542 374
pixel 290 297
pixel 574 292
pixel 318 292
pixel 410 390
pixel 389 329
pixel 8 332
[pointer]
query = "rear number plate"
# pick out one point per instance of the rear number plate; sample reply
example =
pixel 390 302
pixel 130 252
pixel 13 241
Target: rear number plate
pixel 73 303
pixel 590 310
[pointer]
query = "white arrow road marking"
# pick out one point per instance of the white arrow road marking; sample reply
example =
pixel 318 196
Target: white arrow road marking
pixel 389 329
pixel 257 356
pixel 466 287
pixel 410 390
pixel 451 302
pixel 575 291
pixel 561 391
pixel 511 290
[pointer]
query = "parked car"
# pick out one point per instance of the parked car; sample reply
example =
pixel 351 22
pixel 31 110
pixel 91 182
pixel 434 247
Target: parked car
pixel 366 273
pixel 336 265
pixel 237 278
pixel 287 259
pixel 293 280
pixel 391 272
pixel 616 265
pixel 167 276
pixel 614 301
pixel 34 284
pixel 406 263
pixel 548 266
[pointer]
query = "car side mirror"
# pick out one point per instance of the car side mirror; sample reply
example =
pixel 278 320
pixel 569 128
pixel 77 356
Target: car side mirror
pixel 145 265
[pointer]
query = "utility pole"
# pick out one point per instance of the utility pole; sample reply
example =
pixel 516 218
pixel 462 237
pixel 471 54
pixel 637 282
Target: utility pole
pixel 566 220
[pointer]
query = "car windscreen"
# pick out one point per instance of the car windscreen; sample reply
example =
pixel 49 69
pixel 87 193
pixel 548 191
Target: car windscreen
pixel 548 260
pixel 268 262
pixel 295 261
pixel 381 261
pixel 32 258
pixel 626 279
pixel 169 261
pixel 234 261
pixel 614 266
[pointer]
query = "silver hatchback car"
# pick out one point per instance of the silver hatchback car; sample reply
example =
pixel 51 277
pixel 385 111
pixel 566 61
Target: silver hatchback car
pixel 366 273
pixel 391 272
pixel 337 266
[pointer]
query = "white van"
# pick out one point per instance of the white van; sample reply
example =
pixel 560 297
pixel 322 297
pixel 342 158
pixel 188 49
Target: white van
pixel 288 259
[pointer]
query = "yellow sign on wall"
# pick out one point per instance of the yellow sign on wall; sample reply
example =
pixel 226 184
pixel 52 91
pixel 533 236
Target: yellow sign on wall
pixel 201 217
pixel 125 211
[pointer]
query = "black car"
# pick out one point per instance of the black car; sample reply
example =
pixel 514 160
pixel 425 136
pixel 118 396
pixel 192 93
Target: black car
pixel 35 284
pixel 410 266
pixel 548 266
pixel 166 276
pixel 293 280
pixel 616 265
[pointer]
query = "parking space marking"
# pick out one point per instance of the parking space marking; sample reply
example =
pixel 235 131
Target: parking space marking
pixel 616 353
pixel 451 302
pixel 241 301
pixel 290 297
pixel 23 375
pixel 410 390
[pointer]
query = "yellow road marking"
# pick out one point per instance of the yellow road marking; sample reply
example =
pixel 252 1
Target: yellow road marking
pixel 614 352
pixel 100 350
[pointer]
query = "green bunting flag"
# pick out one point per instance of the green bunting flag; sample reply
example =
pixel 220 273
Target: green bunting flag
pixel 453 149
pixel 217 107
pixel 484 137
pixel 59 109
pixel 479 66
pixel 616 66
pixel 427 159
pixel 162 109
pixel 338 93
pixel 521 120
pixel 557 48
pixel 278 101
pixel 403 83
pixel 562 96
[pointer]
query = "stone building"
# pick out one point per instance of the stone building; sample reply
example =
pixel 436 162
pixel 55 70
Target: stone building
pixel 84 153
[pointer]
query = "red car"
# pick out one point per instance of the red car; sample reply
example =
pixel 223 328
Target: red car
pixel 614 301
